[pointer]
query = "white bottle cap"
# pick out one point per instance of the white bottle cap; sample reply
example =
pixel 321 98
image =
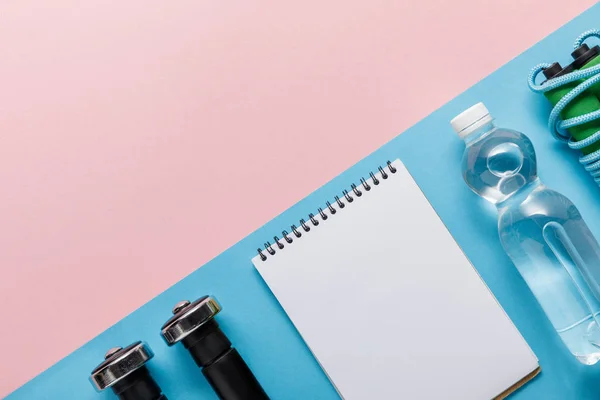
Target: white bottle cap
pixel 471 119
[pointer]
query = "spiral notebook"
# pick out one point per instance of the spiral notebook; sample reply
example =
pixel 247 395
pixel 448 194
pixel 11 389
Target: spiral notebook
pixel 388 303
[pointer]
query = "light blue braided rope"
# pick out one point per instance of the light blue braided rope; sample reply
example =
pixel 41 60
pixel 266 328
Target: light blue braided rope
pixel 557 126
pixel 584 36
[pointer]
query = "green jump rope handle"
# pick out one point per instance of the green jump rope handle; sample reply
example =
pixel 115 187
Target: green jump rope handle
pixel 585 103
pixel 595 90
pixel 579 83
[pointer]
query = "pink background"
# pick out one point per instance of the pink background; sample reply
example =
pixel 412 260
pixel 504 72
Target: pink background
pixel 131 130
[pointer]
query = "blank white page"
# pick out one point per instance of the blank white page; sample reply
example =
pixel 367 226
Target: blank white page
pixel 389 304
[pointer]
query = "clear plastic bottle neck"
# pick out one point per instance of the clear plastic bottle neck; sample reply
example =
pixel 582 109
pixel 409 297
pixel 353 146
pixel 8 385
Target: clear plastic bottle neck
pixel 479 133
pixel 520 195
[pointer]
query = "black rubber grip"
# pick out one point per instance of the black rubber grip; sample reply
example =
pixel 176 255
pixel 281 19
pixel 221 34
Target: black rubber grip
pixel 231 378
pixel 223 367
pixel 138 385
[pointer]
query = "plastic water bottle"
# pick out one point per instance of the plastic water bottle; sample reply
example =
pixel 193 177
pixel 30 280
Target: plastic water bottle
pixel 540 229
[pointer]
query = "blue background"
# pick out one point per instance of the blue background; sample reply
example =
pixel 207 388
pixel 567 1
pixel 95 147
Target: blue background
pixel 261 331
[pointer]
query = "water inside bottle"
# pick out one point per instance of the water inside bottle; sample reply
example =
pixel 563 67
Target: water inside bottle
pixel 543 233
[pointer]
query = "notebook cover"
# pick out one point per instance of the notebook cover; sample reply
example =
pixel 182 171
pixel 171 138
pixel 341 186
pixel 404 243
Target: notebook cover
pixel 259 328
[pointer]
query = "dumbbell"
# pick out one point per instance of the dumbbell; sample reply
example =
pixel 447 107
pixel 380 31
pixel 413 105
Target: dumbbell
pixel 124 371
pixel 194 324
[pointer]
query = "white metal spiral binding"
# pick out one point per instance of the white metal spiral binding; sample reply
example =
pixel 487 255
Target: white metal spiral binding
pixel 270 248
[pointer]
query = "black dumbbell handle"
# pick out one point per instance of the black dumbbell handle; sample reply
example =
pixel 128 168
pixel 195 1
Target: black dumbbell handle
pixel 222 365
pixel 138 385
